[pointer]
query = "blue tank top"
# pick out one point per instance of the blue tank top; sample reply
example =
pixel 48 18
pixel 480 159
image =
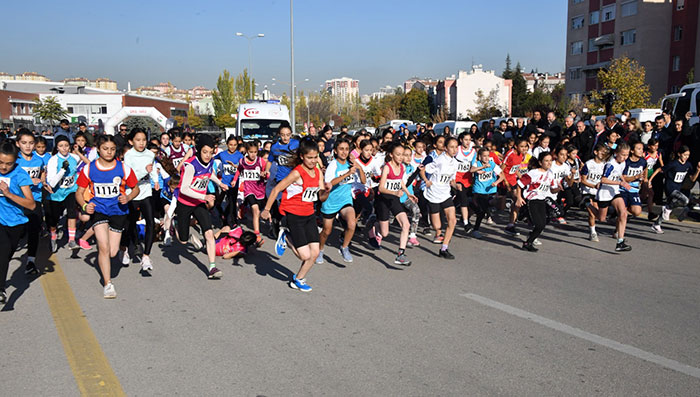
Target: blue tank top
pixel 341 194
pixel 34 166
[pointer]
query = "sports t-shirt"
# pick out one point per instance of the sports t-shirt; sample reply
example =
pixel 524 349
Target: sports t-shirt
pixel 537 184
pixel 514 165
pixel 613 171
pixel 177 155
pixel 282 154
pixel 11 213
pixel 593 172
pixel 373 171
pixel 34 166
pixel 299 198
pixel 442 170
pixel 464 163
pixel 138 161
pixel 560 171
pixel 62 181
pixel 675 174
pixel 407 174
pixel 483 180
pixel 393 179
pixel 230 242
pixel 199 182
pixel 250 178
pixel 340 194
pixel 229 164
pixel 106 185
pixel 634 168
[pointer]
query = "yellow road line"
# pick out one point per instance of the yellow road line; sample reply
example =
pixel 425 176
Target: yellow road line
pixel 90 367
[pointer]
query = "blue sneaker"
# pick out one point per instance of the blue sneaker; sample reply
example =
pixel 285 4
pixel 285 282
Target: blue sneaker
pixel 281 243
pixel 299 284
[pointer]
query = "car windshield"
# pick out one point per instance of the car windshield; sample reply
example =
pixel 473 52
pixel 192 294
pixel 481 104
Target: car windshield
pixel 259 129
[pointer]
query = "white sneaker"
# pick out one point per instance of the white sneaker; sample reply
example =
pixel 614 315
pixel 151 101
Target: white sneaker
pixel 489 221
pixel 196 242
pixel 126 259
pixel 109 292
pixel 666 214
pixel 537 242
pixel 167 241
pixel 657 229
pixel 593 237
pixel 319 258
pixel 146 264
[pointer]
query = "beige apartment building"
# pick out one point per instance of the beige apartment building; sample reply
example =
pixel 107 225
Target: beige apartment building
pixel 662 35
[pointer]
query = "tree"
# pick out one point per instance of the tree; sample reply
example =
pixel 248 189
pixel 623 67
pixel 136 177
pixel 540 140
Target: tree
pixel 626 78
pixel 193 119
pixel 145 123
pixel 487 106
pixel 223 96
pixel 49 110
pixel 507 72
pixel 242 88
pixel 539 99
pixel 415 106
pixel 225 121
pixel 519 91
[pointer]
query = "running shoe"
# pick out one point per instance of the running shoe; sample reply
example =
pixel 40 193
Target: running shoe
pixel 530 247
pixel 345 253
pixel 214 273
pixel 319 258
pixel 445 254
pixel 3 297
pixel 438 239
pixel 489 221
pixel 561 221
pixel 54 246
pixel 593 237
pixel 84 244
pixel 146 264
pixel 427 230
pixel 299 284
pixel 30 268
pixel 657 229
pixel 511 230
pixel 666 214
pixel 622 247
pixel 195 241
pixel 126 259
pixel 476 234
pixel 73 245
pixel 537 242
pixel 402 259
pixel 281 243
pixel 379 239
pixel 109 292
pixel 413 242
pixel 373 243
pixel 468 228
pixel 683 214
pixel 167 241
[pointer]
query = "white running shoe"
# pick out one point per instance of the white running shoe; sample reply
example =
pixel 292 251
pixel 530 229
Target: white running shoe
pixel 195 241
pixel 666 214
pixel 126 259
pixel 593 237
pixel 167 241
pixel 319 258
pixel 537 242
pixel 109 292
pixel 146 263
pixel 657 229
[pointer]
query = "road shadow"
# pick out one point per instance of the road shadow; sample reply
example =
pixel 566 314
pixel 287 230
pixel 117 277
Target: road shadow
pixel 21 282
pixel 268 266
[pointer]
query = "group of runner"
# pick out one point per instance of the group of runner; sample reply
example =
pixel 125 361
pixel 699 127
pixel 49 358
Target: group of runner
pixel 179 187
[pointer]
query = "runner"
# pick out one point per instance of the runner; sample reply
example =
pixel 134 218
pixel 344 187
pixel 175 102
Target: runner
pixel 591 174
pixel 230 158
pixel 675 173
pixel 465 156
pixel 34 166
pixel 635 175
pixel 609 193
pixel 487 176
pixel 107 180
pixel 281 154
pixel 515 165
pixel 535 186
pixel 252 180
pixel 61 176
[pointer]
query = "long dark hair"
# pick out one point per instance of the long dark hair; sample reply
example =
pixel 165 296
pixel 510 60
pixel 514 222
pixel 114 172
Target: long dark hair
pixel 535 162
pixel 306 145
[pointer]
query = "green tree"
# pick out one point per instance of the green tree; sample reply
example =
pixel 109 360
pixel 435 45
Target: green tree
pixel 223 96
pixel 519 91
pixel 415 106
pixel 49 110
pixel 242 88
pixel 193 119
pixel 225 121
pixel 507 72
pixel 487 106
pixel 626 78
pixel 537 100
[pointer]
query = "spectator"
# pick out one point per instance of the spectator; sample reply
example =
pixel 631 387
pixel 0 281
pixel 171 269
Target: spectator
pixel 552 129
pixel 537 124
pixel 569 127
pixel 121 138
pixel 584 140
pixel 612 125
pixel 634 131
pixel 64 129
pixel 573 115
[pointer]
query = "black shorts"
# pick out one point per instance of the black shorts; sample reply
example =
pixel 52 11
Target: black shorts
pixel 464 195
pixel 333 214
pixel 184 214
pixel 435 208
pixel 163 202
pixel 117 223
pixel 250 200
pixel 54 210
pixel 302 230
pixel 384 205
pixel 606 204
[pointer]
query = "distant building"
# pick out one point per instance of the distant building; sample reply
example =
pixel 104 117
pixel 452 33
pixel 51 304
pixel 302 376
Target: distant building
pixel 6 76
pixel 200 92
pixel 101 83
pixel 31 76
pixel 545 81
pixel 446 95
pixel 662 35
pixel 343 89
pixel 383 91
pixel 461 92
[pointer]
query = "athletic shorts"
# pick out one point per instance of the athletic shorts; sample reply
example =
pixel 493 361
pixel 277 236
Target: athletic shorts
pixel 384 205
pixel 163 202
pixel 302 230
pixel 54 210
pixel 117 223
pixel 435 208
pixel 250 200
pixel 333 214
pixel 463 196
pixel 185 212
pixel 606 204
pixel 631 199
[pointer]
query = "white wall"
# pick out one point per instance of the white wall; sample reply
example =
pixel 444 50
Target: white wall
pixel 468 83
pixel 112 101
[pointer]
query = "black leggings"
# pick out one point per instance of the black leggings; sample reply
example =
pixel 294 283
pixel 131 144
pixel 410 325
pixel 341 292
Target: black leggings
pixel 145 208
pixel 33 228
pixel 9 239
pixel 538 217
pixel 230 215
pixel 482 207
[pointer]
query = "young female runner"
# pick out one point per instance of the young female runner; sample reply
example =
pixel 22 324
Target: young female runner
pixel 514 166
pixel 300 189
pixel 609 193
pixel 230 158
pixel 15 197
pixel 675 173
pixel 563 176
pixel 635 175
pixel 34 166
pixel 465 156
pixel 535 186
pixel 107 179
pixel 487 176
pixel 591 174
pixel 252 180
pixel 61 175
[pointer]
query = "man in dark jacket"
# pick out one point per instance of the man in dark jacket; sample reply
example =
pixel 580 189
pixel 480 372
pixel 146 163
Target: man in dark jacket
pixel 552 129
pixel 584 140
pixel 537 124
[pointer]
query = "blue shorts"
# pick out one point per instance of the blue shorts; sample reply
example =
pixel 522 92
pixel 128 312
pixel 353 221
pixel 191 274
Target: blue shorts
pixel 631 198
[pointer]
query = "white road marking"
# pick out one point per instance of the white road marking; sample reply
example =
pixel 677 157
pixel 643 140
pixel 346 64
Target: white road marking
pixel 597 339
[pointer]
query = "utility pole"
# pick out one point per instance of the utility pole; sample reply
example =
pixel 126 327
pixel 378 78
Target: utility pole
pixel 291 45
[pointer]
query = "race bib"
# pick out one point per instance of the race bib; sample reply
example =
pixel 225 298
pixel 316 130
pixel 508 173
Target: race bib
pixel 444 179
pixel 486 176
pixel 229 169
pixel 34 172
pixel 310 195
pixel 348 179
pixel 283 160
pixel 200 183
pixel 543 187
pixel 67 182
pixel 7 182
pixel 250 175
pixel 176 162
pixel 393 185
pixel 463 167
pixel 106 190
pixel 680 177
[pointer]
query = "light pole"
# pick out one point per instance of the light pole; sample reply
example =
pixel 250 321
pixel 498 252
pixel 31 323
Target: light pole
pixel 293 93
pixel 291 45
pixel 250 57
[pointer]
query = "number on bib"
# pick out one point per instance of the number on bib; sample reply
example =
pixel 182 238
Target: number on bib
pixel 229 169
pixel 176 162
pixel 34 172
pixel 106 190
pixel 250 175
pixel 680 176
pixel 393 185
pixel 463 167
pixel 67 182
pixel 444 179
pixel 310 195
pixel 200 184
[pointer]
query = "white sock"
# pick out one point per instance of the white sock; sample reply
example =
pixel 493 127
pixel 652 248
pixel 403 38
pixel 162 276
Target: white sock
pixel 592 229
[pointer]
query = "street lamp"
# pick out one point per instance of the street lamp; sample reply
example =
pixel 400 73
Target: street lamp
pixel 291 46
pixel 250 56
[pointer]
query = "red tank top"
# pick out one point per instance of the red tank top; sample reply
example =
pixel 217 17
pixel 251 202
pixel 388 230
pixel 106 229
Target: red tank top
pixel 393 181
pixel 298 199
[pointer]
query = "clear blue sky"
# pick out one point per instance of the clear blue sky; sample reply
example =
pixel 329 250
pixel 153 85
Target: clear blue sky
pixel 189 43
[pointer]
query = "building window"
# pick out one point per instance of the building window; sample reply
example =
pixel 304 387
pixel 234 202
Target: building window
pixel 578 1
pixel 574 73
pixel 680 4
pixel 676 66
pixel 577 47
pixel 608 13
pixel 591 45
pixel 675 89
pixel 595 17
pixel 628 37
pixel 577 22
pixel 677 33
pixel 629 8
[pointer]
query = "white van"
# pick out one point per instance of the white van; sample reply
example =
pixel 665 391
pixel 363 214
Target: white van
pixel 394 124
pixel 456 127
pixel 260 120
pixel 644 115
pixel 687 100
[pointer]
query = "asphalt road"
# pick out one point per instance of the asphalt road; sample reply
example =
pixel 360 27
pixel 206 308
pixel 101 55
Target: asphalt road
pixel 574 319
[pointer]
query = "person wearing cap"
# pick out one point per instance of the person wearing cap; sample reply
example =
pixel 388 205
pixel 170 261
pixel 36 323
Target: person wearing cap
pixel 64 130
